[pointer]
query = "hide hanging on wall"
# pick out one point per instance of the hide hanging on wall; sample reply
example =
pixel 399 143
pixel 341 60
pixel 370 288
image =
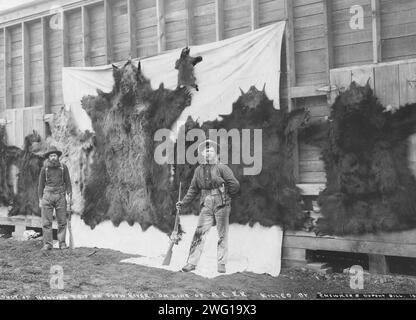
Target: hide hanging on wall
pixel 369 187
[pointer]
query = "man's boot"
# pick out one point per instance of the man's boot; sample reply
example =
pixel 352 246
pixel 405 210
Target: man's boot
pixel 221 268
pixel 63 246
pixel 189 267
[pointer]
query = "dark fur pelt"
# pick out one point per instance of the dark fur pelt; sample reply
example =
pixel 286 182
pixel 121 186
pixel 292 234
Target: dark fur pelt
pixel 185 65
pixel 370 187
pixel 125 183
pixel 7 157
pixel 271 197
pixel 28 163
pixel 26 201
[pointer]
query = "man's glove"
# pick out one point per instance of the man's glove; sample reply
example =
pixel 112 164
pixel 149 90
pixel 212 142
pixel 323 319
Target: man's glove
pixel 179 205
pixel 40 203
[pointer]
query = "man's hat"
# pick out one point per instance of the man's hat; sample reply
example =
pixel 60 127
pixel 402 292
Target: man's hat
pixel 51 150
pixel 208 144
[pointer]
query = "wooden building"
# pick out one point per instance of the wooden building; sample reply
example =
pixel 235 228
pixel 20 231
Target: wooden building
pixel 328 44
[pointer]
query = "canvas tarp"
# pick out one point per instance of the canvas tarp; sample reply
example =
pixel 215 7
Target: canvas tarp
pixel 239 62
pixel 227 66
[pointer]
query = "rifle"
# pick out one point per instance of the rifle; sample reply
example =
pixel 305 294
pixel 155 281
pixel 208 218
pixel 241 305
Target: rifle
pixel 174 237
pixel 69 214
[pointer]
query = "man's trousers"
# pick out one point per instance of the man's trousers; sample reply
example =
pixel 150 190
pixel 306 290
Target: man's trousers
pixel 212 211
pixel 49 202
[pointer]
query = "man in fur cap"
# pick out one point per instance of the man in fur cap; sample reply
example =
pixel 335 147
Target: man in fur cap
pixel 54 184
pixel 216 183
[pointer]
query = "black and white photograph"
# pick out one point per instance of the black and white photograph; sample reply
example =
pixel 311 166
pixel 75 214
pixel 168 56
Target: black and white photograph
pixel 219 152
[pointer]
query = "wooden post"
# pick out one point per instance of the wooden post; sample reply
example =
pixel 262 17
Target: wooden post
pixel 290 53
pixel 131 14
pixel 378 264
pixel 375 10
pixel 26 65
pixel 45 65
pixel 7 70
pixel 189 21
pixel 329 37
pixel 219 19
pixel 65 40
pixel 161 32
pixel 85 20
pixel 329 45
pixel 108 31
pixel 254 11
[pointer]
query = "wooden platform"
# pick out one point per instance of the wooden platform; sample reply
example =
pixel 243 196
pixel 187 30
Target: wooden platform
pixel 377 246
pixel 20 223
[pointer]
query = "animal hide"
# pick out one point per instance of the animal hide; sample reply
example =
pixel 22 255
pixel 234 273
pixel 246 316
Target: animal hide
pixel 185 65
pixel 271 197
pixel 29 163
pixel 8 156
pixel 369 187
pixel 125 183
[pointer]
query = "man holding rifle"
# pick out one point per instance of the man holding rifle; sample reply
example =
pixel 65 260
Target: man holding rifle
pixel 216 183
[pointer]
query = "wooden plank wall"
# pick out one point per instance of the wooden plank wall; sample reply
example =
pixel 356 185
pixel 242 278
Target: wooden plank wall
pixel 119 30
pixel 74 38
pixel 351 46
pixel 309 39
pixel 2 86
pixel 96 52
pixel 35 63
pixel 175 24
pixel 55 63
pixel 236 17
pixel 203 23
pixel 146 27
pixel 398 29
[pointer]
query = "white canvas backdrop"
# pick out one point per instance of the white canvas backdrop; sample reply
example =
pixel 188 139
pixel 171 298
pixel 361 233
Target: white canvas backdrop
pixel 228 66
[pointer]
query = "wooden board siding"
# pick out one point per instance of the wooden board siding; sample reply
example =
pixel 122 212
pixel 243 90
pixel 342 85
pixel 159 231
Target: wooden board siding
pixel 398 29
pixel 35 64
pixel 55 63
pixel 311 167
pixel 351 46
pixel 119 30
pixel 175 24
pixel 97 41
pixel 146 27
pixel 236 17
pixel 310 53
pixel 270 11
pixel 203 27
pixel 16 67
pixel 74 38
pixel 2 91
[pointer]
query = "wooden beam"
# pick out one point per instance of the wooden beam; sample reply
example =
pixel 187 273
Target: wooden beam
pixel 85 20
pixel 290 52
pixel 7 69
pixel 131 15
pixel 25 65
pixel 377 264
pixel 219 19
pixel 329 43
pixel 161 32
pixel 189 21
pixel 65 40
pixel 375 13
pixel 108 23
pixel 45 65
pixel 254 13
